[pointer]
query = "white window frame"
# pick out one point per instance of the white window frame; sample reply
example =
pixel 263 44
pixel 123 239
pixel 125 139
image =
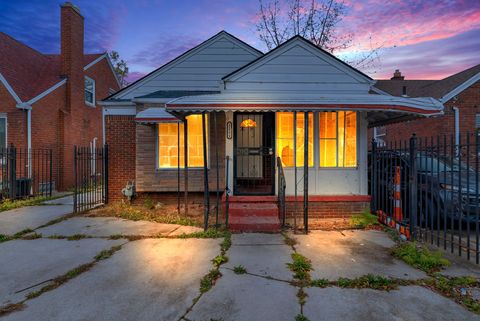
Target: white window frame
pixel 4 116
pixel 91 104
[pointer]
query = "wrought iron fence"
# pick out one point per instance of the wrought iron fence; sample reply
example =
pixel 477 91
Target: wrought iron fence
pixel 91 177
pixel 429 188
pixel 25 172
pixel 281 185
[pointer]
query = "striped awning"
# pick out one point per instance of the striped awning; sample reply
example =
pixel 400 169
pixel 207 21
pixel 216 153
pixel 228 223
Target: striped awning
pixel 155 115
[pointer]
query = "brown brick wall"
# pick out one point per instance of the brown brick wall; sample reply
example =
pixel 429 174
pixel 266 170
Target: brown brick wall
pixel 120 136
pixel 151 179
pixel 468 103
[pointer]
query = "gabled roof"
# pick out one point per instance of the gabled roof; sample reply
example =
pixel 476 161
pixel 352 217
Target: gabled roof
pixel 28 71
pixel 339 63
pixel 180 58
pixel 443 89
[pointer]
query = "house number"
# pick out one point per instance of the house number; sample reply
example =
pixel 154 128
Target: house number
pixel 229 130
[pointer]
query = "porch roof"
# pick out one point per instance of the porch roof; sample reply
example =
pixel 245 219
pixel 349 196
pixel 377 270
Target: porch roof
pixel 155 115
pixel 381 109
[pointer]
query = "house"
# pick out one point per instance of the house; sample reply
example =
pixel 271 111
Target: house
pixel 50 101
pixel 225 118
pixel 460 93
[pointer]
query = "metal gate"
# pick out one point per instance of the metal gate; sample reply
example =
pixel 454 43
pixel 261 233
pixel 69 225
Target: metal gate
pixel 91 177
pixel 430 187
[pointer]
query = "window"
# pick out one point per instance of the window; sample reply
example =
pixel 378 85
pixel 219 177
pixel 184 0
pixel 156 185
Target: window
pixel 477 121
pixel 168 143
pixel 3 131
pixel 285 138
pixel 338 139
pixel 89 91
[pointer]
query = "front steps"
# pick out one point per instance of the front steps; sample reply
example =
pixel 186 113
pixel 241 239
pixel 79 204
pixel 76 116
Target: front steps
pixel 253 214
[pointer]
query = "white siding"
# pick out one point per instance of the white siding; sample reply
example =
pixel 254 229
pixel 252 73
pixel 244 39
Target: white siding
pixel 301 69
pixel 202 69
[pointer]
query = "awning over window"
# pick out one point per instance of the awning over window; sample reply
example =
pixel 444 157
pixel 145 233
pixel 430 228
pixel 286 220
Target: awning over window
pixel 155 115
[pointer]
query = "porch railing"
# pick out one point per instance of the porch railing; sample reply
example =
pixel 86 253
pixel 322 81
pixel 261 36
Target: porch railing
pixel 282 185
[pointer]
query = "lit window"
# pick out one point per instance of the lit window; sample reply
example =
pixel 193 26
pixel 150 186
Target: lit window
pixel 168 143
pixel 89 91
pixel 285 138
pixel 338 139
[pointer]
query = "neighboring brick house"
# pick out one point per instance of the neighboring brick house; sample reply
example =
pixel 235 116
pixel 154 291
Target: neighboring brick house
pixel 50 101
pixel 460 94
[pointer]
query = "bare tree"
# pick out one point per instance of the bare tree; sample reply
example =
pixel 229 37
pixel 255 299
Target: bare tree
pixel 120 66
pixel 315 20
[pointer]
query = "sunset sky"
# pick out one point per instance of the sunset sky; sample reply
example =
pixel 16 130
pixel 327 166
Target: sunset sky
pixel 424 39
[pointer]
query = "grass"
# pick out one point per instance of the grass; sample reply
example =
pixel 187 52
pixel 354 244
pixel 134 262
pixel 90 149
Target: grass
pixel 301 267
pixel 451 287
pixel 368 281
pixel 105 254
pixel 31 236
pixel 219 260
pixel 207 282
pixel 147 212
pixel 8 204
pixel 22 233
pixel 419 256
pixel 4 238
pixel 9 308
pixel 301 317
pixel 289 240
pixel 320 283
pixel 208 234
pixel 239 269
pixel 76 237
pixel 363 220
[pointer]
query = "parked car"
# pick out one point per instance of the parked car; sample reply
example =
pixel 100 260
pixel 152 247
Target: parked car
pixel 447 190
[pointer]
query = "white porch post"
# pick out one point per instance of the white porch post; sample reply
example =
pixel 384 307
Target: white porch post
pixel 229 146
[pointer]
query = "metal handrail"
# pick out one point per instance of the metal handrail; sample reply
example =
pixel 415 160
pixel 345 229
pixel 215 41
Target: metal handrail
pixel 227 190
pixel 282 185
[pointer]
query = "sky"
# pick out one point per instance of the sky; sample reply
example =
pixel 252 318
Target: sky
pixel 428 39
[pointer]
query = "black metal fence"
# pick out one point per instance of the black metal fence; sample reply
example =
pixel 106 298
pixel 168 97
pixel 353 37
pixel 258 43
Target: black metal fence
pixel 91 177
pixel 430 188
pixel 25 172
pixel 281 186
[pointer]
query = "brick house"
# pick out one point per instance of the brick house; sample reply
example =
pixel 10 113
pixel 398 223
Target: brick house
pixel 226 118
pixel 50 100
pixel 460 94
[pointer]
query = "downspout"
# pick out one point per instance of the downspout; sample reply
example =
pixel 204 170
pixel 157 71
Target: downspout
pixel 28 108
pixel 456 112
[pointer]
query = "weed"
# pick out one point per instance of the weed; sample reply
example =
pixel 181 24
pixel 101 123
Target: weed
pixel 393 233
pixel 363 220
pixel 76 237
pixel 472 304
pixel 208 234
pixel 301 317
pixel 57 237
pixel 11 308
pixel 105 254
pixel 4 238
pixel 302 296
pixel 301 267
pixel 116 237
pixel 320 283
pixel 208 280
pixel 450 287
pixel 219 260
pixel 227 242
pixel 289 240
pixel 369 281
pixel 420 257
pixel 8 204
pixel 22 233
pixel 31 236
pixel 148 203
pixel 239 269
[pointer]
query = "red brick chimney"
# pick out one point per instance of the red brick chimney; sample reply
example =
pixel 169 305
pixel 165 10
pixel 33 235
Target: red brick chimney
pixel 397 75
pixel 71 50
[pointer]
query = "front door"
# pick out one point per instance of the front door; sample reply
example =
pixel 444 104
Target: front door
pixel 254 160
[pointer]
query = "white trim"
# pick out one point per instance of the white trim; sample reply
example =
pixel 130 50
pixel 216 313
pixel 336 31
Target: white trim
pixel 120 111
pixel 93 92
pixel 46 92
pixel 10 89
pixel 94 62
pixel 185 56
pixel 115 103
pixel 105 55
pixel 460 88
pixel 151 100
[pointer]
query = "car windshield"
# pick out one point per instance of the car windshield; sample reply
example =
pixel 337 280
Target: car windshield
pixel 440 164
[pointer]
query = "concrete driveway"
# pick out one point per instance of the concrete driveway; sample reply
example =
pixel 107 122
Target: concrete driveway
pixel 158 276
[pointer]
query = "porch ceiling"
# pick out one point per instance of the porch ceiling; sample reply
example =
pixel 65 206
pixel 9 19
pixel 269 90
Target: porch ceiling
pixel 381 108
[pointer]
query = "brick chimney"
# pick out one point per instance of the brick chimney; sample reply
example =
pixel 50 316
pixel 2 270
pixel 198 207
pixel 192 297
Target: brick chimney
pixel 397 75
pixel 71 50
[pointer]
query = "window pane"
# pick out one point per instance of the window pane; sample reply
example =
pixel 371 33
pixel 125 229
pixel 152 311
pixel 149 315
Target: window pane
pixel 195 140
pixel 3 133
pixel 328 139
pixel 285 143
pixel 341 137
pixel 350 139
pixel 168 145
pixel 328 152
pixel 328 126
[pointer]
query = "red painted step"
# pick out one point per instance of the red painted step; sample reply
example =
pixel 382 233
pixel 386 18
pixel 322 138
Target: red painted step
pixel 253 214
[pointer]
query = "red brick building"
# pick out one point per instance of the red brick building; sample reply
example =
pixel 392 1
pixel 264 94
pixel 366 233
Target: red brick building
pixel 50 101
pixel 460 94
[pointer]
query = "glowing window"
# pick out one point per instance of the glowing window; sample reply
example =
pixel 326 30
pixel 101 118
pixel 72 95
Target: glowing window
pixel 285 138
pixel 338 139
pixel 168 143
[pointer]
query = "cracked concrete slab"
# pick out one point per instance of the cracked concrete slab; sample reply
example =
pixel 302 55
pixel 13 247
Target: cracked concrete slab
pixel 31 217
pixel 28 263
pixel 407 303
pixel 107 226
pixel 352 253
pixel 246 297
pixel 460 266
pixel 149 279
pixel 257 238
pixel 181 230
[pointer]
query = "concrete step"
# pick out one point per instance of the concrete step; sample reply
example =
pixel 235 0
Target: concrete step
pixel 252 199
pixel 255 209
pixel 254 224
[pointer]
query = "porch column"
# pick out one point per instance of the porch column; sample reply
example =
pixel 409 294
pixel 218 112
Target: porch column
pixel 185 164
pixel 206 193
pixel 295 170
pixel 305 175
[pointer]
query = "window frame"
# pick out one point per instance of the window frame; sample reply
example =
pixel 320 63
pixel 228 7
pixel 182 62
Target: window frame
pixel 91 104
pixel 157 149
pixel 5 116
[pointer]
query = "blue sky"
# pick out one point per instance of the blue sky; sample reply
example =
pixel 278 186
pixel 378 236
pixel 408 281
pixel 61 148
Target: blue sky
pixel 425 39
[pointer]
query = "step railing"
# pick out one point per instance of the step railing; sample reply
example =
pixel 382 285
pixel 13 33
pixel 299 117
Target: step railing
pixel 282 185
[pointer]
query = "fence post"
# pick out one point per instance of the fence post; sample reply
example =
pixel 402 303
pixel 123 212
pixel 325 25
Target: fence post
pixel 75 179
pixel 373 178
pixel 412 180
pixel 105 172
pixel 13 172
